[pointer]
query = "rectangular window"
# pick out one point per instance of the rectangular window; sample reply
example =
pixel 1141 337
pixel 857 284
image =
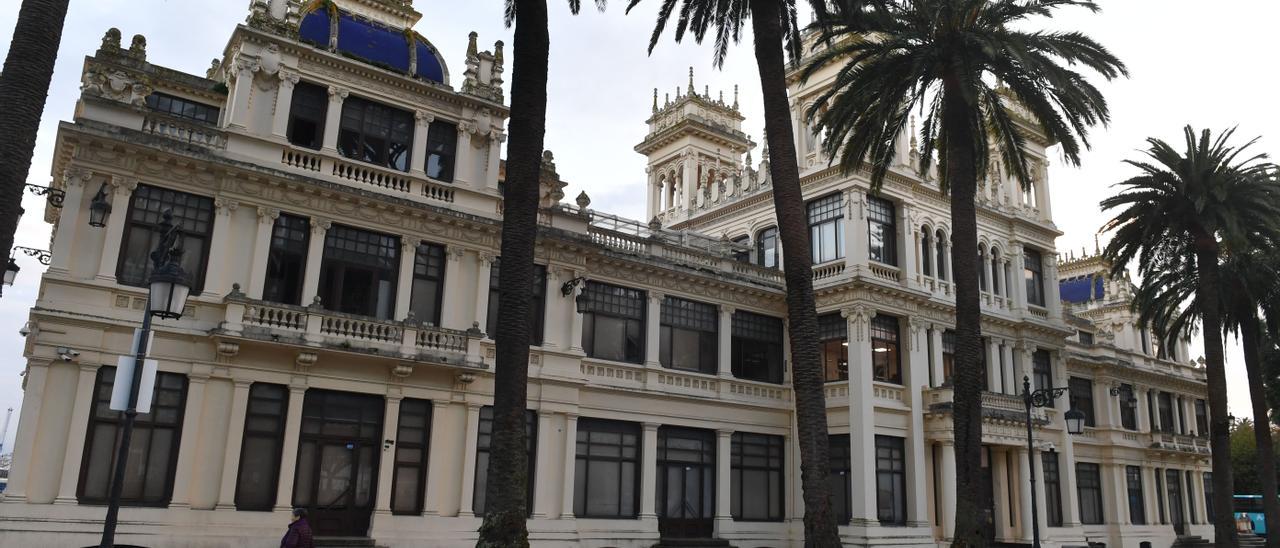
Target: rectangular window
pixel 260 451
pixel 375 133
pixel 153 452
pixel 182 108
pixel 1086 338
pixel 1034 277
pixel 606 482
pixel 1082 398
pixel 1165 401
pixel 192 214
pixel 1089 489
pixel 833 342
pixel 1191 498
pixel 688 335
pixel 613 323
pixel 1052 488
pixel 886 360
pixel 1137 503
pixel 1207 478
pixel 1128 408
pixel 442 145
pixel 891 481
pixel 757 347
pixel 1160 496
pixel 287 259
pixel 483 441
pixel 1202 418
pixel 838 481
pixel 882 231
pixel 427 292
pixel 756 488
pixel 358 272
pixel 413 445
pixel 537 306
pixel 826 229
pixel 926 252
pixel 767 247
pixel 948 356
pixel 1041 370
pixel 307 110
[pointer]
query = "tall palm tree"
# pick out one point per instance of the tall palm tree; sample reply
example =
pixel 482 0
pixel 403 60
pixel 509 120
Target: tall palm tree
pixel 773 24
pixel 1247 298
pixel 945 57
pixel 24 86
pixel 506 493
pixel 1182 209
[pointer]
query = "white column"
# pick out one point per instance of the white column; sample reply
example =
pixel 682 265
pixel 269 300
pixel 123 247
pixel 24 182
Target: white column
pixel 1042 191
pixel 1017 256
pixel 235 440
pixel 1024 489
pixel 73 209
pixel 387 458
pixel 491 168
pixel 453 314
pixel 653 330
pixel 724 491
pixel 289 454
pixel 261 251
pixel 919 251
pixel 951 271
pixel 1140 411
pixel 464 161
pixel 28 423
pixel 1000 492
pixel 649 472
pixel 333 118
pixel 575 319
pixel 545 467
pixel 284 102
pixel 1102 395
pixel 1120 494
pixel 857 249
pixel 121 189
pixel 404 279
pixel 570 461
pixel 947 488
pixel 724 352
pixel 1012 382
pixel 907 236
pixel 81 407
pixel 687 179
pixel 467 497
pixel 650 208
pixel 191 418
pixel 917 379
pixel 992 351
pixel 1070 506
pixel 1052 289
pixel 861 418
pixel 1153 397
pixel 219 247
pixel 315 257
pixel 418 154
pixel 935 335
pixel 985 258
pixel 241 91
pixel 484 271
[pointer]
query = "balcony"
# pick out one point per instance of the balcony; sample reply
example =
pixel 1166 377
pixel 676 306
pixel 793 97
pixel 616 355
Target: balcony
pixel 997 406
pixel 312 326
pixel 681 247
pixel 627 376
pixel 1179 443
pixel 185 131
pixel 361 175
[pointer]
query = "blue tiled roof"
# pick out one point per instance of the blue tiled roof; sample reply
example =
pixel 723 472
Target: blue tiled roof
pixel 1077 290
pixel 373 43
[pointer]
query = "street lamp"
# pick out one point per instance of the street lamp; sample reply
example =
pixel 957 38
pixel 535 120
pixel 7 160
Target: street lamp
pixel 1074 418
pixel 99 208
pixel 168 294
pixel 11 272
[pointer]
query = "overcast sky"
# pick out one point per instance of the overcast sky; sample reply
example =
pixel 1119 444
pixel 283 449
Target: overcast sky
pixel 1210 64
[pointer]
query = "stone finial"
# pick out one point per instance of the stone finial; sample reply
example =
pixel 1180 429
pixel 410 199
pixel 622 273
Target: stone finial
pixel 655 99
pixel 655 223
pixel 214 65
pixel 735 97
pixel 583 200
pixel 706 90
pixel 722 96
pixel 111 40
pixel 138 47
pixel 666 99
pixel 472 50
pixel 691 89
pixel 497 52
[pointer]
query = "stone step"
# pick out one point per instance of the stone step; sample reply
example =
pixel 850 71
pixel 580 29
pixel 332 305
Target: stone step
pixel 344 542
pixel 692 543
pixel 1250 539
pixel 1191 541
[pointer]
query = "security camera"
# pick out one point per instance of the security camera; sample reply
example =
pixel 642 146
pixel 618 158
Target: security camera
pixel 25 329
pixel 67 354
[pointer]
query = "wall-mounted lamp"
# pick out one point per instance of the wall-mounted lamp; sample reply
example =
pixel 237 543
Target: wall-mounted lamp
pixel 99 208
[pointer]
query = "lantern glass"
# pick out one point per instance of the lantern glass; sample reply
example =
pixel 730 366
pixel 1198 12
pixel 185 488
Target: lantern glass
pixel 1075 421
pixel 11 272
pixel 169 291
pixel 581 301
pixel 99 208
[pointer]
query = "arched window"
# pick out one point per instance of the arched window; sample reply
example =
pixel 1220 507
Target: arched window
pixel 926 251
pixel 996 271
pixel 942 254
pixel 767 247
pixel 982 267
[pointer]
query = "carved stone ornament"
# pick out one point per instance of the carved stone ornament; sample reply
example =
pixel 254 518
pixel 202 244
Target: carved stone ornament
pixel 268 67
pixel 402 370
pixel 115 85
pixel 228 349
pixel 305 360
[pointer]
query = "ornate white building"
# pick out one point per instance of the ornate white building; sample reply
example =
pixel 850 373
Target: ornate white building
pixel 340 200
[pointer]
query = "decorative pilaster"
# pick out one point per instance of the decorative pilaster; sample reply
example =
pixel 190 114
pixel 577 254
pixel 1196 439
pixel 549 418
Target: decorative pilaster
pixel 24 442
pixel 570 459
pixel 404 279
pixel 315 258
pixel 857 248
pixel 544 499
pixel 454 310
pixel 917 379
pixel 182 478
pixel 909 241
pixel 332 118
pixel 496 138
pixel 724 347
pixel 467 498
pixel 284 103
pixel 72 459
pixel 121 190
pixel 73 208
pixel 946 487
pixel 235 439
pixel 484 273
pixel 261 251
pixel 1018 257
pixel 464 162
pixel 242 92
pixel 575 319
pixel 1012 381
pixel 649 470
pixel 724 468
pixel 1024 488
pixel 215 278
pixel 289 454
pixel 387 457
pixel 418 154
pixel 653 330
pixel 861 416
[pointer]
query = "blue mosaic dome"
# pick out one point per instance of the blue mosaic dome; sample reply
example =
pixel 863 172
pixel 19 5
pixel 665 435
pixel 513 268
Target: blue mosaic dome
pixel 1082 289
pixel 374 43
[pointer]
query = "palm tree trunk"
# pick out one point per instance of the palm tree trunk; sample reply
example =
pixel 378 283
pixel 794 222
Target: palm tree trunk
pixel 24 86
pixel 505 495
pixel 788 202
pixel 1224 525
pixel 968 379
pixel 1251 330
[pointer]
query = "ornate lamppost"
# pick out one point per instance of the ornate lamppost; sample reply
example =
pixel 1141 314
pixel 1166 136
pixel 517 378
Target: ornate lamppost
pixel 1075 418
pixel 167 297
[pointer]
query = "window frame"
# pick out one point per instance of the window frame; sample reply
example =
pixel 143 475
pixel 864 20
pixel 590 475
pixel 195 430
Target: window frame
pixel 581 493
pixel 1128 407
pixel 275 435
pixel 537 308
pixel 894 468
pixel 343 245
pixel 1089 493
pixel 303 92
pixel 199 112
pixel 202 210
pixel 365 113
pixel 882 326
pixel 285 246
pixel 1033 276
pixel 1136 495
pixel 753 337
pixel 878 210
pixel 679 315
pixel 774 448
pixel 1052 488
pixel 819 213
pixel 1041 369
pixel 483 441
pixel 442 143
pixel 767 251
pixel 618 303
pixel 422 465
pixel 833 341
pixel 428 258
pixel 1080 397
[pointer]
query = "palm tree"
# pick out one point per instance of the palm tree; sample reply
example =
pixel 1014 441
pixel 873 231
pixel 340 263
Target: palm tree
pixel 506 494
pixel 1253 282
pixel 24 86
pixel 945 57
pixel 773 23
pixel 1183 209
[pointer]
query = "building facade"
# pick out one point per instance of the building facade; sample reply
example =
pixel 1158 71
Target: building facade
pixel 339 196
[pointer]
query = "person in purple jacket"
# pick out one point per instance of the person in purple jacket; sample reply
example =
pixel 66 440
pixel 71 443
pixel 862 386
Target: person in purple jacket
pixel 299 533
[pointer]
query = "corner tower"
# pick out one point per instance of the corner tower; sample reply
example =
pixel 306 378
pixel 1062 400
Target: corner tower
pixel 694 146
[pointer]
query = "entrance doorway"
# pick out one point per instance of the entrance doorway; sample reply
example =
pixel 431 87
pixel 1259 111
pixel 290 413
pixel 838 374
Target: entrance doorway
pixel 338 452
pixel 986 498
pixel 1176 517
pixel 686 482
